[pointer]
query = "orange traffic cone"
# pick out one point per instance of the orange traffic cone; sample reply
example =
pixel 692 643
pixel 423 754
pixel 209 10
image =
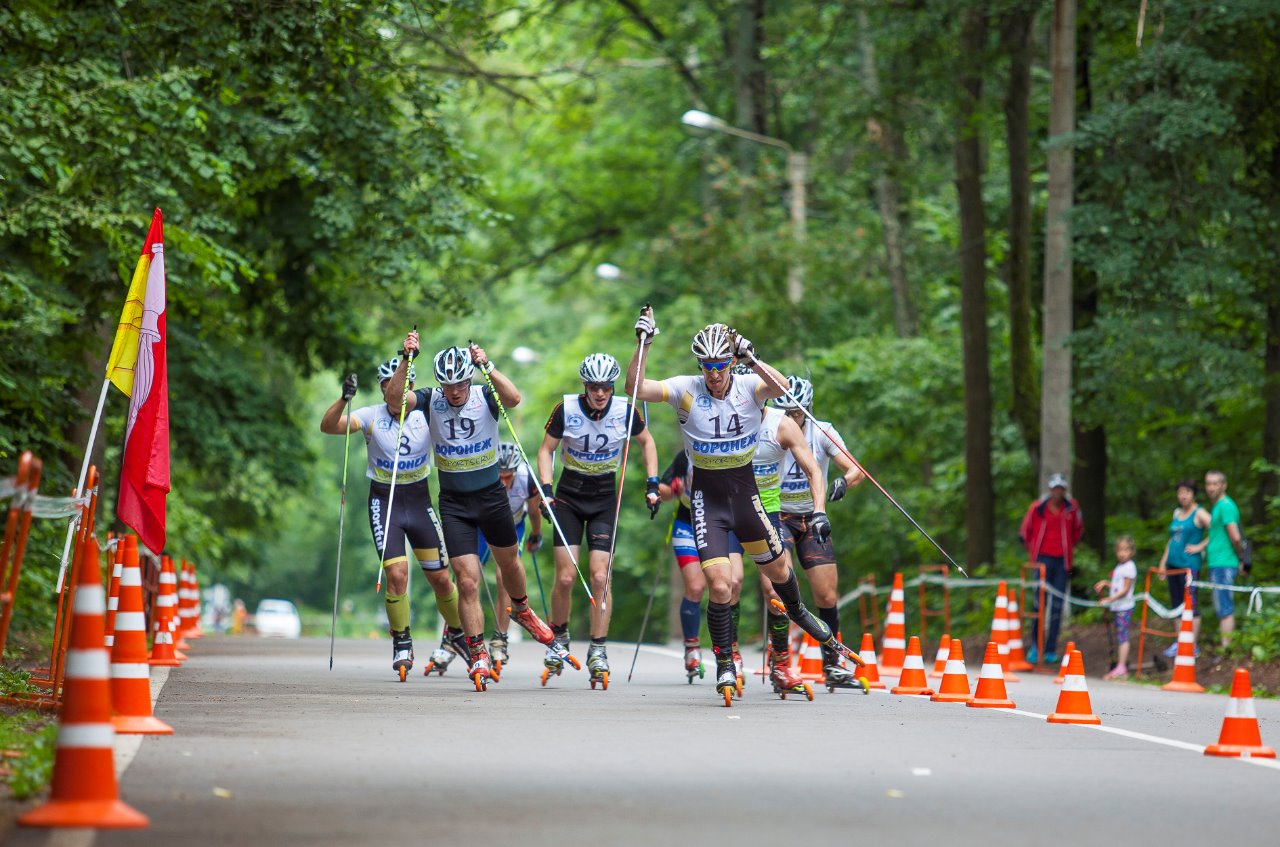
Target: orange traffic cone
pixel 193 582
pixel 940 660
pixel 912 679
pixel 955 679
pixel 1184 666
pixel 1066 660
pixel 113 596
pixel 869 671
pixel 1073 700
pixel 1240 734
pixel 162 648
pixel 84 778
pixel 893 646
pixel 130 673
pixel 811 659
pixel 990 693
pixel 1000 629
pixel 1017 658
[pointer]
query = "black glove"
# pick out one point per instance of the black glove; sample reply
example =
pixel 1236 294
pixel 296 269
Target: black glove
pixel 651 497
pixel 548 498
pixel 821 526
pixel 837 489
pixel 348 387
pixel 534 542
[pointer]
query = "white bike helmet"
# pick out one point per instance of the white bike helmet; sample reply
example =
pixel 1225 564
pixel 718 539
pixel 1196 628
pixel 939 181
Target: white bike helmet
pixel 508 457
pixel 800 394
pixel 712 342
pixel 388 369
pixel 599 367
pixel 453 365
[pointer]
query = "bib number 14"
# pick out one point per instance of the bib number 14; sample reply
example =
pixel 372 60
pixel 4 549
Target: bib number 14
pixel 733 427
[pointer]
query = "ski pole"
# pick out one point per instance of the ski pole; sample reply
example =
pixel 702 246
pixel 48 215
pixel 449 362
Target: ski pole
pixel 538 574
pixel 644 622
pixel 858 465
pixel 395 466
pixel 550 512
pixel 622 476
pixel 342 517
pixel 487 590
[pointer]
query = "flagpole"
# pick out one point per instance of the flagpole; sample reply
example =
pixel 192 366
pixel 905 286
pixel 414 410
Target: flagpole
pixel 84 471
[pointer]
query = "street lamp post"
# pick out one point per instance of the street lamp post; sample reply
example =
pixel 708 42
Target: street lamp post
pixel 797 176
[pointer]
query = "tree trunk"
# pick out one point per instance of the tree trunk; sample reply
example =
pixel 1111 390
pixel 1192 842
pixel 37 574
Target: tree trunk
pixel 1089 472
pixel 1016 38
pixel 1269 479
pixel 888 193
pixel 1055 402
pixel 979 491
pixel 749 100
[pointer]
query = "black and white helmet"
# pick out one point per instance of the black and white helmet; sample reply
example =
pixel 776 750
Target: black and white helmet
pixel 508 457
pixel 801 390
pixel 453 365
pixel 388 369
pixel 599 367
pixel 712 342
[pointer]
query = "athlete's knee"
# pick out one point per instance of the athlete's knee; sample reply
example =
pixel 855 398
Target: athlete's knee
pixel 468 585
pixel 718 591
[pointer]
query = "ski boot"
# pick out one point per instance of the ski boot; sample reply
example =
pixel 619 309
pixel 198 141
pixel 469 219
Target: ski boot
pixel 784 678
pixel 693 661
pixel 598 666
pixel 738 666
pixel 818 631
pixel 481 672
pixel 401 653
pixel 557 657
pixel 533 624
pixel 836 675
pixel 498 650
pixel 727 679
pixel 452 643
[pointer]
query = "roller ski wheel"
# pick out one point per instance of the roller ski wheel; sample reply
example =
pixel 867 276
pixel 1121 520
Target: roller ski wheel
pixel 836 676
pixel 727 682
pixel 693 665
pixel 401 653
pixel 480 672
pixel 738 667
pixel 818 631
pixel 553 662
pixel 597 666
pixel 786 680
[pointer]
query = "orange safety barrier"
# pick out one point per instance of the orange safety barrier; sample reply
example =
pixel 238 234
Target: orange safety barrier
pixel 867 607
pixel 1033 572
pixel 16 528
pixel 925 611
pixel 1143 629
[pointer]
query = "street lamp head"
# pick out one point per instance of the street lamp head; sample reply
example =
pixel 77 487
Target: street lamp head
pixel 701 120
pixel 608 272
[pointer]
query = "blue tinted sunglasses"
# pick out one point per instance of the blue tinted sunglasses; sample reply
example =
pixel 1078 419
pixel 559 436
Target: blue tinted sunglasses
pixel 716 364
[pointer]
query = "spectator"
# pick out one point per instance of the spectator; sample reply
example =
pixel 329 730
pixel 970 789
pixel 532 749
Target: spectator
pixel 1120 600
pixel 1050 531
pixel 1222 550
pixel 1185 551
pixel 238 615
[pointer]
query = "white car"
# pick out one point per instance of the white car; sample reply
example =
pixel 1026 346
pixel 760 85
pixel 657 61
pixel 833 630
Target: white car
pixel 277 618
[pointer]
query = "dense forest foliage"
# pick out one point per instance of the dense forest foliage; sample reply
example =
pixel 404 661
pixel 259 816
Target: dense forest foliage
pixel 333 173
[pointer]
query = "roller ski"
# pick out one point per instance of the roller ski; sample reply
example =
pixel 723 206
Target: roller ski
pixel 738 666
pixel 693 665
pixel 598 666
pixel 836 675
pixel 727 680
pixel 481 672
pixel 786 679
pixel 452 644
pixel 401 653
pixel 498 650
pixel 818 631
pixel 556 658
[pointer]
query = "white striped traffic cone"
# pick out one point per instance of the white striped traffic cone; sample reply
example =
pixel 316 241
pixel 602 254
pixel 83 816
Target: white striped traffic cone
pixel 130 672
pixel 893 646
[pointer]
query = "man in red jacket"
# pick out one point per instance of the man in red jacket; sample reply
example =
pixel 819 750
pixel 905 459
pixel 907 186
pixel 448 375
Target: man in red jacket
pixel 1050 531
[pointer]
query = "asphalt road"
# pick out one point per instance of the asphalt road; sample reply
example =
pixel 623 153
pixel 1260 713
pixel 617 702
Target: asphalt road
pixel 272 748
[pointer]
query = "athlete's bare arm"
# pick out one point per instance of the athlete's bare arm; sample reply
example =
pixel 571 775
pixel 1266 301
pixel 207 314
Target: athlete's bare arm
pixel 546 453
pixel 852 473
pixel 507 391
pixel 396 385
pixel 650 448
pixel 336 423
pixel 791 438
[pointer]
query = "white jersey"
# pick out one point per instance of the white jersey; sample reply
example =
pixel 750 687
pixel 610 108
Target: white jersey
pixel 593 447
pixel 797 499
pixel 718 434
pixel 767 462
pixel 414 450
pixel 518 492
pixel 465 437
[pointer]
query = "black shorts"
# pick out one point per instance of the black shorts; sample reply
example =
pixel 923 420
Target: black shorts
pixel 725 502
pixel 586 506
pixel 411 518
pixel 466 514
pixel 797 534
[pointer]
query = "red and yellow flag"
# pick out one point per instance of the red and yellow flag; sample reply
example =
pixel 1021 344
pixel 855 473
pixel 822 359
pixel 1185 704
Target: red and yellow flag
pixel 138 367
